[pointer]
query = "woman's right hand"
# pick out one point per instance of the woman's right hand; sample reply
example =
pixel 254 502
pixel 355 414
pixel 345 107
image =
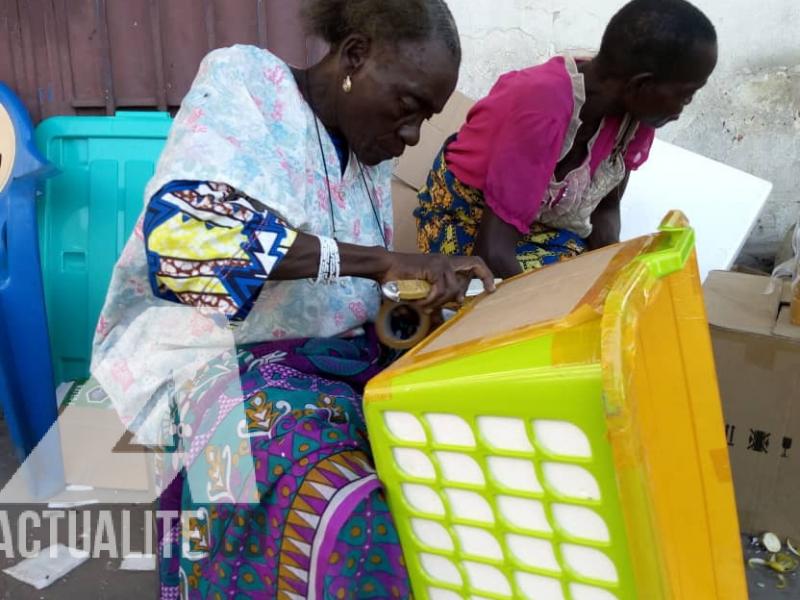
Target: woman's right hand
pixel 449 276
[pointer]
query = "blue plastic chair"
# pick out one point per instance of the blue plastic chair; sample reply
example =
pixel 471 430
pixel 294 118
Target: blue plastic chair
pixel 27 394
pixel 59 239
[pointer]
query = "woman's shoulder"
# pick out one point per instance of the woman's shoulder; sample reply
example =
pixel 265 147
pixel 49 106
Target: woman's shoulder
pixel 249 64
pixel 551 77
pixel 545 89
pixel 248 75
pixel 245 55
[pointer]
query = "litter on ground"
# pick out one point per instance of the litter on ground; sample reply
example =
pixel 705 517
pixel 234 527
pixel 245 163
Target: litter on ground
pixel 50 565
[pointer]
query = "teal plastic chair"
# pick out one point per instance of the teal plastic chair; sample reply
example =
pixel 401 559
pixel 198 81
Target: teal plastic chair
pixel 53 288
pixel 86 214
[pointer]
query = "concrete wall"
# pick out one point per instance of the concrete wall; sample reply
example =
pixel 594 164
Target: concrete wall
pixel 748 116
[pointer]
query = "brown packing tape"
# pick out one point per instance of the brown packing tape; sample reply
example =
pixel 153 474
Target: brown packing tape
pixel 590 307
pixel 757 350
pixel 738 302
pixel 383 326
pixel 722 465
pixel 628 251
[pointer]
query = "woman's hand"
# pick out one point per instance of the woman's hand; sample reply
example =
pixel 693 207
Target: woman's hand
pixel 606 219
pixel 449 276
pixel 496 243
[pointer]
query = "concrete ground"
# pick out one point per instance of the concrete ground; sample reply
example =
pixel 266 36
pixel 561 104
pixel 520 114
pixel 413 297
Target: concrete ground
pixel 102 579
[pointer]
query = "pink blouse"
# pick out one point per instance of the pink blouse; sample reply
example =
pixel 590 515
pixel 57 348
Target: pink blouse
pixel 514 138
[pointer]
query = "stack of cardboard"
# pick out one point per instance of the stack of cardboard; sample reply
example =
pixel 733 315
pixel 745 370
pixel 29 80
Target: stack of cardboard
pixel 757 352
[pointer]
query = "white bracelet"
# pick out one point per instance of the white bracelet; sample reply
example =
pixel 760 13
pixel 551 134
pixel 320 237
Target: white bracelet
pixel 329 261
pixel 336 262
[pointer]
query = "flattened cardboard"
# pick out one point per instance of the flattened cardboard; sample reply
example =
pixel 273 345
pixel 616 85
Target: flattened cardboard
pixel 88 438
pixel 404 201
pixel 757 352
pixel 528 299
pixel 415 164
pixel 90 431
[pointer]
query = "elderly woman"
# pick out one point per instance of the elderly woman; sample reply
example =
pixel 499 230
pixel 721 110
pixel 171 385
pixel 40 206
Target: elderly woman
pixel 270 212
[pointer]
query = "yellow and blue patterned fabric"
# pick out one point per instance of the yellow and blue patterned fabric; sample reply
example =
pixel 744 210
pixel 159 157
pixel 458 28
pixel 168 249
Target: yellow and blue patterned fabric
pixel 449 216
pixel 211 245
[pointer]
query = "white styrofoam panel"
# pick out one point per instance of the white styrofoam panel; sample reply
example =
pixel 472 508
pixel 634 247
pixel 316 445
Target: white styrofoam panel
pixel 722 203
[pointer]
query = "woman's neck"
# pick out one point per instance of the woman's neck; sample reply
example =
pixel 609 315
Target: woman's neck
pixel 602 94
pixel 318 87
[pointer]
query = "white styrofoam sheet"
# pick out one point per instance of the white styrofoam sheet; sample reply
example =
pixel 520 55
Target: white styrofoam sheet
pixel 722 203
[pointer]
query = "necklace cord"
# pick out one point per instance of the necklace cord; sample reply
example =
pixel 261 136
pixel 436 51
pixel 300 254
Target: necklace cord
pixel 378 220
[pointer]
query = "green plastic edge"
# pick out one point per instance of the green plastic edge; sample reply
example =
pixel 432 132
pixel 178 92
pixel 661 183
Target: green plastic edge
pixel 672 254
pixel 409 386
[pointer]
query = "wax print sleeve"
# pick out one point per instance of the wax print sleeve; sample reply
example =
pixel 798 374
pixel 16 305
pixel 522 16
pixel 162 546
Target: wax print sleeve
pixel 210 245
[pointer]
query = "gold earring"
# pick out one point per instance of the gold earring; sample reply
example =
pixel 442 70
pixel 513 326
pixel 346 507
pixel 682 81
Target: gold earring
pixel 347 85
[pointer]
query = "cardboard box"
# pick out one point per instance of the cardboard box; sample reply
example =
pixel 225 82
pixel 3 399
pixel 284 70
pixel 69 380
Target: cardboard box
pixel 412 168
pixel 757 352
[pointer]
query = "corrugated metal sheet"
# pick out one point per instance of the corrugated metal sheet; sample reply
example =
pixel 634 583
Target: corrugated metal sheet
pixel 66 57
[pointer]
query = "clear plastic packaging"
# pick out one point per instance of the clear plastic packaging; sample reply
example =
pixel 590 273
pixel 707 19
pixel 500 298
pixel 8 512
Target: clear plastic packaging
pixel 791 270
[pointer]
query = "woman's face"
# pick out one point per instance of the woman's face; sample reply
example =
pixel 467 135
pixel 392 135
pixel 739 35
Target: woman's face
pixel 397 87
pixel 657 103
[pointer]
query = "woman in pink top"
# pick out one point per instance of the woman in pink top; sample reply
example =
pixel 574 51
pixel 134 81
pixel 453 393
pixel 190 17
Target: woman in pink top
pixel 536 173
